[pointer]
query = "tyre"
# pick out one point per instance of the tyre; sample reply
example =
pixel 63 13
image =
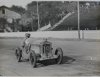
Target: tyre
pixel 18 54
pixel 33 59
pixel 59 54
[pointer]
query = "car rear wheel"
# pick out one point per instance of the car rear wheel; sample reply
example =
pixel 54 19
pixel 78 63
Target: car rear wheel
pixel 33 59
pixel 59 54
pixel 18 54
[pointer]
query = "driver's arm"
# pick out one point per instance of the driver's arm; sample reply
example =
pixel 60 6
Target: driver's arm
pixel 23 43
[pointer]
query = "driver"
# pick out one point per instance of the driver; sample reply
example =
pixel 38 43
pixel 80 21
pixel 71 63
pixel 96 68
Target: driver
pixel 26 42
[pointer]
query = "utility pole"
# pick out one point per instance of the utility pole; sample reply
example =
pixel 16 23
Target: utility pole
pixel 78 19
pixel 38 16
pixel 32 24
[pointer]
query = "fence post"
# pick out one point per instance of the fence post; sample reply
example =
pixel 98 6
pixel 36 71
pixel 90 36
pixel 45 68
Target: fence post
pixel 82 34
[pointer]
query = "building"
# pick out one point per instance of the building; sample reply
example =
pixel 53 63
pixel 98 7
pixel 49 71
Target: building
pixel 5 12
pixel 9 15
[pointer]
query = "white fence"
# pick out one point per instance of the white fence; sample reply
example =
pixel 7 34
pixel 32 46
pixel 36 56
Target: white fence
pixel 86 34
pixel 90 34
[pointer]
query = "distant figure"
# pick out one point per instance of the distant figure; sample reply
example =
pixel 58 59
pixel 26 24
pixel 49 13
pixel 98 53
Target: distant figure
pixel 87 5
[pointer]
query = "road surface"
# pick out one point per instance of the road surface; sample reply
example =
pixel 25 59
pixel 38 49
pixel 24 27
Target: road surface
pixel 81 58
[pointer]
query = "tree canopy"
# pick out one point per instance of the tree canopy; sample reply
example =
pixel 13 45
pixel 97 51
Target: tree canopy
pixel 49 11
pixel 18 9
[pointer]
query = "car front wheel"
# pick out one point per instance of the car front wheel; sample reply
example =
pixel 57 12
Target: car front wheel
pixel 59 54
pixel 33 59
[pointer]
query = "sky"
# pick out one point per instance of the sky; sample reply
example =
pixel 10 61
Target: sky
pixel 9 3
pixel 22 3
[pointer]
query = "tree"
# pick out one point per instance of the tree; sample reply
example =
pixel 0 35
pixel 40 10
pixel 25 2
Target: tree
pixel 3 21
pixel 49 11
pixel 18 9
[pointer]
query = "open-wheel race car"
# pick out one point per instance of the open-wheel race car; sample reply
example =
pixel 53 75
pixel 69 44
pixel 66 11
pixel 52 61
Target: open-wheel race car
pixel 40 51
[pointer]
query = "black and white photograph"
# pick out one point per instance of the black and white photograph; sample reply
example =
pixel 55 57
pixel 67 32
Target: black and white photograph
pixel 49 38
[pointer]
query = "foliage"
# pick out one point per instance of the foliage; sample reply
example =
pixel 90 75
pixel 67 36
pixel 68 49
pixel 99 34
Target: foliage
pixel 3 21
pixel 49 11
pixel 18 9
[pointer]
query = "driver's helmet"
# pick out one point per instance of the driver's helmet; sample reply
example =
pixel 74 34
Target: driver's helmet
pixel 28 35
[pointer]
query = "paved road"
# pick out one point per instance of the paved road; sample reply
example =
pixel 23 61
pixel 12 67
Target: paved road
pixel 80 58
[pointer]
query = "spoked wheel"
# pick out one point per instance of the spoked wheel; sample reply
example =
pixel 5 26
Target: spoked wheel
pixel 18 54
pixel 59 54
pixel 33 59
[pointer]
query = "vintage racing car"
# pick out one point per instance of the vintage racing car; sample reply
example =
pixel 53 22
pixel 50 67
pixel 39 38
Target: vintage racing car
pixel 40 51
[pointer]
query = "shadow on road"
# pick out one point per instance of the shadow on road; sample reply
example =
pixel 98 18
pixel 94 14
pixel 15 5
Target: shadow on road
pixel 66 60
